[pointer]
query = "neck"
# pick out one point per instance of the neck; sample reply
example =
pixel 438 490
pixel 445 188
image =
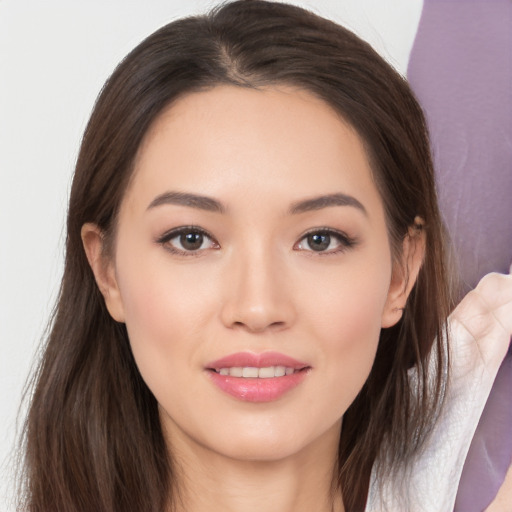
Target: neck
pixel 210 482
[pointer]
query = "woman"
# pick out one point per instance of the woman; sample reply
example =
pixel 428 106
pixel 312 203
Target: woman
pixel 254 266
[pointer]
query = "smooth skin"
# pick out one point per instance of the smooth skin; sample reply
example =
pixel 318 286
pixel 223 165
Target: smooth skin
pixel 262 269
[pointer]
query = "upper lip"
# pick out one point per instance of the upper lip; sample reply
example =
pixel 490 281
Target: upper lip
pixel 262 360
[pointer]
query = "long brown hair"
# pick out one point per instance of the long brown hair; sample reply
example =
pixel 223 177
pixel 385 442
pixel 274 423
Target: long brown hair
pixel 93 436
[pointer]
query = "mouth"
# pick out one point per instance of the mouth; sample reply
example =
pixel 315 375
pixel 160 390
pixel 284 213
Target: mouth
pixel 253 377
pixel 253 372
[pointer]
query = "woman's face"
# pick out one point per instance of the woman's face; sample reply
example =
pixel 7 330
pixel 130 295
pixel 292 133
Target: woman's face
pixel 252 241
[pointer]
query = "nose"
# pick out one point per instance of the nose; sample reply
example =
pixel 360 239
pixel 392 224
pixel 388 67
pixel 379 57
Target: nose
pixel 257 297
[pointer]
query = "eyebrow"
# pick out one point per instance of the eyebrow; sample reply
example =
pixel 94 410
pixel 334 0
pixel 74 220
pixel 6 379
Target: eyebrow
pixel 320 202
pixel 212 205
pixel 187 199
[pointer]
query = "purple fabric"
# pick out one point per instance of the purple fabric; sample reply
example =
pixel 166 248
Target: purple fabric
pixel 487 461
pixel 461 70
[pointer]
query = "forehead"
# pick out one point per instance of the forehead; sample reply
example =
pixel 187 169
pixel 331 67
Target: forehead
pixel 232 142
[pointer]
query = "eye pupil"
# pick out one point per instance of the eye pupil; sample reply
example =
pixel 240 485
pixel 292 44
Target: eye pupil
pixel 319 242
pixel 191 241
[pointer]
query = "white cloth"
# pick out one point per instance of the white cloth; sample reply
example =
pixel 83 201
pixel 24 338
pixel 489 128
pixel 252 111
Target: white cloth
pixel 480 327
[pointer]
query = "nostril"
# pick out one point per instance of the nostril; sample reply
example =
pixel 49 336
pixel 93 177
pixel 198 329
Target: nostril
pixel 277 326
pixel 259 326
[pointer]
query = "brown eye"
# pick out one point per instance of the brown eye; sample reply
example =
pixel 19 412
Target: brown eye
pixel 187 240
pixel 191 241
pixel 319 241
pixel 328 241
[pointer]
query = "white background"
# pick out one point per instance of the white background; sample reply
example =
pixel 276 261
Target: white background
pixel 54 57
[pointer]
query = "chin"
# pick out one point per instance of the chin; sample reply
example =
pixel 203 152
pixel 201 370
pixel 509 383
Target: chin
pixel 258 453
pixel 273 443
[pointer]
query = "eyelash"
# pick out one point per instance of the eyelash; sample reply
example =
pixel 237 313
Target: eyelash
pixel 345 242
pixel 184 230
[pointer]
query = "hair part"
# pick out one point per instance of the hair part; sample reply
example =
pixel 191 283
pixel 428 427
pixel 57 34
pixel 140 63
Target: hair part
pixel 93 435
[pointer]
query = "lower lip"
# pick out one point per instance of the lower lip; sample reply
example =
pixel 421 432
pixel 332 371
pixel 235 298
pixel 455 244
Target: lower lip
pixel 257 390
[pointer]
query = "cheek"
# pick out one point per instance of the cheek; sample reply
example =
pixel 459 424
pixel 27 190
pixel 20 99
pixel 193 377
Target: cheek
pixel 348 321
pixel 348 300
pixel 163 320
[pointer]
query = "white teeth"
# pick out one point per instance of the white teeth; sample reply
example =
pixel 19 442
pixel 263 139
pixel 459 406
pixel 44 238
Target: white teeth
pixel 252 372
pixel 236 371
pixel 266 373
pixel 280 371
pixel 249 371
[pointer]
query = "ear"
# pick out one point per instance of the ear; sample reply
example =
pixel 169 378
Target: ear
pixel 404 274
pixel 103 269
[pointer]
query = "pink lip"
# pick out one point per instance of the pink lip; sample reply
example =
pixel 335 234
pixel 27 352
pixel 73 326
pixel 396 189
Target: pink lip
pixel 254 389
pixel 262 360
